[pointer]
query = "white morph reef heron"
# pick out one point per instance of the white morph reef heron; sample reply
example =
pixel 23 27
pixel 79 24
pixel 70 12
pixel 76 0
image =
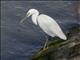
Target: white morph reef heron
pixel 46 23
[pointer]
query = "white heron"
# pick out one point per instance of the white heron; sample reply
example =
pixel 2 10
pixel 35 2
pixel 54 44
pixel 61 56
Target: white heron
pixel 46 23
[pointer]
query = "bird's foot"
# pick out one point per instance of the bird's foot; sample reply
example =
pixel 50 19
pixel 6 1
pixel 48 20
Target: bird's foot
pixel 45 48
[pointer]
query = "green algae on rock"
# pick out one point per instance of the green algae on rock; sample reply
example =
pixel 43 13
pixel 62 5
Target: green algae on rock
pixel 62 50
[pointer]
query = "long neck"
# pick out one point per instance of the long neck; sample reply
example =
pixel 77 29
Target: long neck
pixel 34 18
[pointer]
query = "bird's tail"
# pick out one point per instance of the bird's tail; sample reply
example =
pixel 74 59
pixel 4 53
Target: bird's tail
pixel 63 36
pixel 60 34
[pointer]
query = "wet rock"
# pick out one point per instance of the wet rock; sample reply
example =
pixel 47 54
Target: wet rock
pixel 62 50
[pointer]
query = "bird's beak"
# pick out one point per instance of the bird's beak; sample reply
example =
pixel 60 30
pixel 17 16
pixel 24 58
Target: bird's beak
pixel 25 18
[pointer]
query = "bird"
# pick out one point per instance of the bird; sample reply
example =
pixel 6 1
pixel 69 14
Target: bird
pixel 46 23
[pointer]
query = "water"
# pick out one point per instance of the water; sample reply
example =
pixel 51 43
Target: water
pixel 21 41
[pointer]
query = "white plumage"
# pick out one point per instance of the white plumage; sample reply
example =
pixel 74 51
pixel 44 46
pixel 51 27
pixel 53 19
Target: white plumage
pixel 46 23
pixel 49 26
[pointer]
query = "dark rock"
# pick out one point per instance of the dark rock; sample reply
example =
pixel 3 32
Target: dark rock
pixel 62 50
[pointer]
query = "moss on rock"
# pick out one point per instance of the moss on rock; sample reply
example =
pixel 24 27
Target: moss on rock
pixel 61 50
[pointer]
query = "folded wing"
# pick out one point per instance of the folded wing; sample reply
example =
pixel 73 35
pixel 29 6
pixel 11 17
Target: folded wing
pixel 50 26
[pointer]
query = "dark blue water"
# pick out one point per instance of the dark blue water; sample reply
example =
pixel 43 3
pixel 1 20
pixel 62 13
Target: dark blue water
pixel 21 41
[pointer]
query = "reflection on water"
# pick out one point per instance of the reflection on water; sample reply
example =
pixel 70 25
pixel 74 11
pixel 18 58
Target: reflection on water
pixel 20 41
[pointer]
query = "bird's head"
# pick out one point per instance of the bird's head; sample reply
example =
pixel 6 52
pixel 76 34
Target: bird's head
pixel 29 13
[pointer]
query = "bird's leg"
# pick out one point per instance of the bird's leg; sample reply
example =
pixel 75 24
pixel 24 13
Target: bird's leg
pixel 45 45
